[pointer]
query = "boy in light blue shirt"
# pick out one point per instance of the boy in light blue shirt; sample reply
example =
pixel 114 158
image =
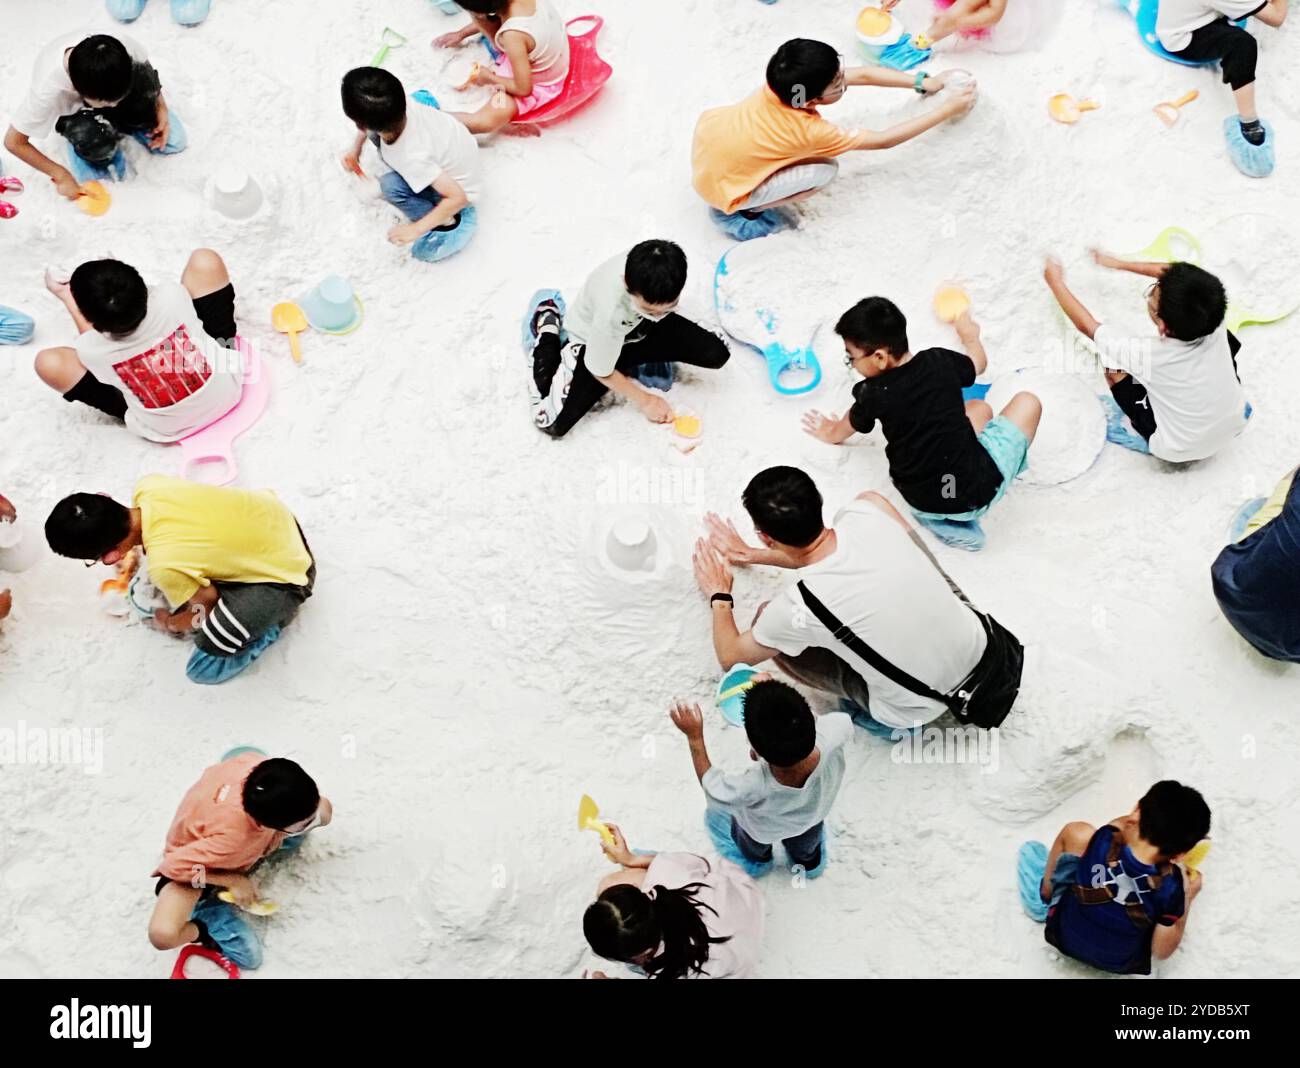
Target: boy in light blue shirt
pixel 786 793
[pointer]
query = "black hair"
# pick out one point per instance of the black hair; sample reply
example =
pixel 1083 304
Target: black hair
pixel 875 323
pixel 625 922
pixel 374 99
pixel 779 723
pixel 278 793
pixel 1173 817
pixel 786 505
pixel 111 295
pixel 802 70
pixel 1192 302
pixel 656 271
pixel 484 7
pixel 85 526
pixel 101 69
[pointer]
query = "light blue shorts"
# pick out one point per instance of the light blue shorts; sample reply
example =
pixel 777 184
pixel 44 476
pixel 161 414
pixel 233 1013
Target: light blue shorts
pixel 1009 447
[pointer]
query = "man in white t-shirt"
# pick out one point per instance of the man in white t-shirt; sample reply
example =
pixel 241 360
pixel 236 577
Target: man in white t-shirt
pixel 1205 31
pixel 872 571
pixel 434 172
pixel 161 358
pixel 1179 386
pixel 92 89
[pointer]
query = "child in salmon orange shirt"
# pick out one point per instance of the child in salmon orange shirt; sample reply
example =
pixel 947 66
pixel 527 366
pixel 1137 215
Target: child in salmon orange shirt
pixel 775 148
pixel 238 813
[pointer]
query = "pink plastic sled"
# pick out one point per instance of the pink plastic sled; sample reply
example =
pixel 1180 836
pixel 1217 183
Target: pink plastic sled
pixel 208 455
pixel 588 74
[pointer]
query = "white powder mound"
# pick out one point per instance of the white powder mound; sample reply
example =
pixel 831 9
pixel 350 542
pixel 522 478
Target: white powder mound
pixel 467 670
pixel 1072 431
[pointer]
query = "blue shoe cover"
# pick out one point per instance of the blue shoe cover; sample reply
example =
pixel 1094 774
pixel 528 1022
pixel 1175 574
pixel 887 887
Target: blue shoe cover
pixel 190 12
pixel 743 228
pixel 85 172
pixel 656 375
pixel 209 670
pixel 1117 430
pixel 718 824
pixel 1031 866
pixel 442 244
pixel 423 96
pixel 865 720
pixel 231 932
pixel 1254 161
pixel 126 10
pixel 536 301
pixel 903 55
pixel 15 327
pixel 813 873
pixel 966 534
pixel 1243 515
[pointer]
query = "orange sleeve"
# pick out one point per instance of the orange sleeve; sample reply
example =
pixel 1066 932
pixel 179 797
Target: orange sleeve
pixel 826 139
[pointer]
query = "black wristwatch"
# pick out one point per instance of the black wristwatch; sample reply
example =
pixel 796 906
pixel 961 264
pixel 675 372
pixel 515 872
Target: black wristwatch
pixel 721 597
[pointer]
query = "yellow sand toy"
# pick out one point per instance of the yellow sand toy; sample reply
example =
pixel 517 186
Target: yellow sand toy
pixel 1196 856
pixel 589 820
pixel 874 22
pixel 257 908
pixel 1064 108
pixel 951 302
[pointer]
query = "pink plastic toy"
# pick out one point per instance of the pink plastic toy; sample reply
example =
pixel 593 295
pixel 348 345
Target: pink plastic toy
pixel 195 950
pixel 588 74
pixel 212 449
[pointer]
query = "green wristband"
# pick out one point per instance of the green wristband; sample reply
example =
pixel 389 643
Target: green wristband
pixel 919 85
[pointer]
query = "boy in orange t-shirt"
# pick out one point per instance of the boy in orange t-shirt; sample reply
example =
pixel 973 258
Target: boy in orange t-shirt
pixel 775 148
pixel 239 812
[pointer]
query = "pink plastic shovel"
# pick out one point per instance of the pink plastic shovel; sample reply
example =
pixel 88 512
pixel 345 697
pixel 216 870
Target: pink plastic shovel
pixel 208 455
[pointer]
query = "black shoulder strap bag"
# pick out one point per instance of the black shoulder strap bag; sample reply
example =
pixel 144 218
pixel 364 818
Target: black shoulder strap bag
pixel 983 699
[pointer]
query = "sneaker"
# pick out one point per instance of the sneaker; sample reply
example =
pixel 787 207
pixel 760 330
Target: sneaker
pixel 227 932
pixel 209 670
pixel 718 824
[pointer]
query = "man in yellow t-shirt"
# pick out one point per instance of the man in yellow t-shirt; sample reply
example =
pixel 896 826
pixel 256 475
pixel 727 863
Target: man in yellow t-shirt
pixel 775 148
pixel 232 564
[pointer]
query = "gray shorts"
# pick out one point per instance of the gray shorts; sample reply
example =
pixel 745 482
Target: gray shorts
pixel 245 611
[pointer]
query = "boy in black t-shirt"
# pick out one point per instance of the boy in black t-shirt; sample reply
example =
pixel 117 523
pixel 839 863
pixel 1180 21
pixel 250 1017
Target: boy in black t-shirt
pixel 951 459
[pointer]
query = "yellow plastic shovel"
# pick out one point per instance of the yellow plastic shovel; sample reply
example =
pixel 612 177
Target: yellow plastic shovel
pixel 1196 855
pixel 289 319
pixel 589 820
pixel 257 908
pixel 1169 110
pixel 1064 108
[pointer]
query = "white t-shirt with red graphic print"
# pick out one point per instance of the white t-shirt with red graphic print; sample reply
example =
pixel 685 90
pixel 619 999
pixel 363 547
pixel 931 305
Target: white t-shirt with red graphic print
pixel 175 378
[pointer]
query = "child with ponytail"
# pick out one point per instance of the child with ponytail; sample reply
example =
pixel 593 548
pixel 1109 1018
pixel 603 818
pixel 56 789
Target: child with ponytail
pixel 675 916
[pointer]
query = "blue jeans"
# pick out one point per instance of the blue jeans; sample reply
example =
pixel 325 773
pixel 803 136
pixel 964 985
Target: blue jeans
pixel 804 849
pixel 415 206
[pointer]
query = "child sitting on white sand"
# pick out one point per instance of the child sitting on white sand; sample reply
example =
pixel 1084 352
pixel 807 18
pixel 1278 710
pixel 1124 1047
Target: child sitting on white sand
pixel 675 915
pixel 1115 897
pixel 623 321
pixel 533 66
pixel 240 811
pixel 787 791
pixel 1179 389
pixel 434 172
pixel 1205 31
pixel 231 564
pixel 951 459
pixel 93 89
pixel 775 148
pixel 159 357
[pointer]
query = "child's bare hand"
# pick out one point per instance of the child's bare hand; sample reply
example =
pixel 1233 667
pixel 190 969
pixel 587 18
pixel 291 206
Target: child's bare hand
pixel 967 328
pixel 593 975
pixel 405 233
pixel 712 572
pixel 655 407
pixel 6 603
pixel 822 426
pixel 1103 259
pixel 450 40
pixel 687 718
pixel 1194 882
pixel 618 852
pixel 243 890
pixel 725 540
pixel 66 185
pixel 352 162
pixel 1053 272
pixel 962 100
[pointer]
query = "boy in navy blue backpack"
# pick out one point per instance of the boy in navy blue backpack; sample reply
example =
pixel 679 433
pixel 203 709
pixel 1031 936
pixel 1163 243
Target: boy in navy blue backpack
pixel 1115 897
